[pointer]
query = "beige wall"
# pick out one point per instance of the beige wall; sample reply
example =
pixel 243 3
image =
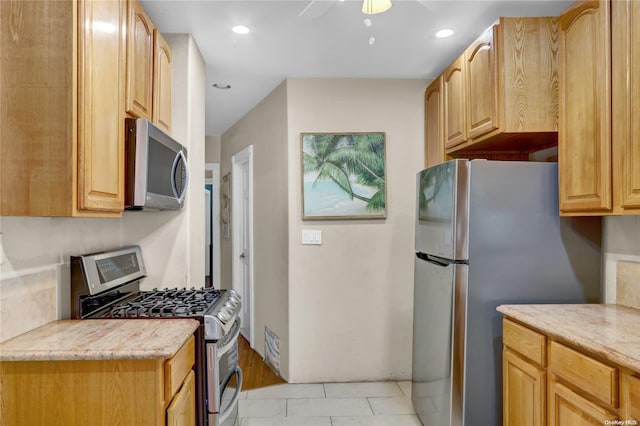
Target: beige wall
pixel 350 299
pixel 212 149
pixel 34 252
pixel 265 127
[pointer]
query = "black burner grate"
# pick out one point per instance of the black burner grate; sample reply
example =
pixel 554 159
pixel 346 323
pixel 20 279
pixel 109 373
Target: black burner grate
pixel 167 304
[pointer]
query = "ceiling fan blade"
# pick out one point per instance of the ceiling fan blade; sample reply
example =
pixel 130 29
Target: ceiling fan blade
pixel 428 4
pixel 316 8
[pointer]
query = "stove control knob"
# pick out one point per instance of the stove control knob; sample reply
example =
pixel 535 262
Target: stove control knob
pixel 224 316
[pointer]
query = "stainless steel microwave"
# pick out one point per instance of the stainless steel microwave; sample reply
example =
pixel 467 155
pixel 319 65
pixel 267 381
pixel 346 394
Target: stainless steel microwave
pixel 156 175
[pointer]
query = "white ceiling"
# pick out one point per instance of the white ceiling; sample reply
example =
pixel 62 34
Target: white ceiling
pixel 329 40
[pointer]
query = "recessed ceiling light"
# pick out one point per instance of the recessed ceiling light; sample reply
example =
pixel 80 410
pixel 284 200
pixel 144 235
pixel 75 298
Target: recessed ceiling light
pixel 444 33
pixel 240 29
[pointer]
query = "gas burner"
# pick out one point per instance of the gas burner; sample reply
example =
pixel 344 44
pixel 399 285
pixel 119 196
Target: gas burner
pixel 167 303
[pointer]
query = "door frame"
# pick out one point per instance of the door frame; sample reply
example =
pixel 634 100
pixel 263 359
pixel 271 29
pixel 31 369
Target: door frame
pixel 215 221
pixel 246 155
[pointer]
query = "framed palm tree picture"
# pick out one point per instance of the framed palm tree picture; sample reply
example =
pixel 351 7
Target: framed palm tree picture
pixel 343 176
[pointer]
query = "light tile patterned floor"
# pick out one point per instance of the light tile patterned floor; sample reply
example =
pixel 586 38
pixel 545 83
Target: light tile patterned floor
pixel 329 404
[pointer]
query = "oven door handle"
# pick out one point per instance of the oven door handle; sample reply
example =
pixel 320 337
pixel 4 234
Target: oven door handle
pixel 230 339
pixel 236 396
pixel 213 379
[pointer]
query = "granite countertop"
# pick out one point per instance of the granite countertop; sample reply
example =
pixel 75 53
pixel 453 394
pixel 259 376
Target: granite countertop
pixel 610 331
pixel 100 339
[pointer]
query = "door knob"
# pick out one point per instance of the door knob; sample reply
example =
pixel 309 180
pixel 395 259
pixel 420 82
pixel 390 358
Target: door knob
pixel 242 256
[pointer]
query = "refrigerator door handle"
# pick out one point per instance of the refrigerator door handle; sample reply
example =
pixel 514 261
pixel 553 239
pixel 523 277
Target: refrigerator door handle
pixel 436 260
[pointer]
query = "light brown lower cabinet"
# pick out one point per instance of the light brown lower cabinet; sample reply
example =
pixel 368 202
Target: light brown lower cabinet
pixel 567 408
pixel 182 411
pixel 524 391
pixel 631 396
pixel 141 392
pixel 548 382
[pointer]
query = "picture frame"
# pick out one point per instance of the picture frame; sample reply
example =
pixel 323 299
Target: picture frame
pixel 343 175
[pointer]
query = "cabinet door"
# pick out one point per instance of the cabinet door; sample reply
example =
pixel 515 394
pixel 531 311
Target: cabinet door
pixel 453 99
pixel 433 128
pixel 566 408
pixel 182 410
pixel 139 62
pixel 625 45
pixel 584 139
pixel 523 392
pixel 631 394
pixel 162 84
pixel 481 90
pixel 101 67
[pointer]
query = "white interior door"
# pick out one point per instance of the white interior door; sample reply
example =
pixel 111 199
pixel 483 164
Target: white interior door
pixel 244 254
pixel 242 223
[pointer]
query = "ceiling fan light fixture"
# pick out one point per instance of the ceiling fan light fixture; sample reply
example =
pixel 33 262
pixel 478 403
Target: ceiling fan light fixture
pixel 371 7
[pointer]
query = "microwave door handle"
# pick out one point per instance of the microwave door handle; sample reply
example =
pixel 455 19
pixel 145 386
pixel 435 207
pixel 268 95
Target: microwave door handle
pixel 174 186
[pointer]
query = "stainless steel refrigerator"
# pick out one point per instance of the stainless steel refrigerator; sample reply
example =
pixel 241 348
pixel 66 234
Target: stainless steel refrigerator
pixel 487 233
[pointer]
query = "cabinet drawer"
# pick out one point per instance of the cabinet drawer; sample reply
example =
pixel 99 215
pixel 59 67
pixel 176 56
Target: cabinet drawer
pixel 525 341
pixel 594 377
pixel 633 397
pixel 177 368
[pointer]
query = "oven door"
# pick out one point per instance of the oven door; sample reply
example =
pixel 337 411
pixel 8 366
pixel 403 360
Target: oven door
pixel 224 378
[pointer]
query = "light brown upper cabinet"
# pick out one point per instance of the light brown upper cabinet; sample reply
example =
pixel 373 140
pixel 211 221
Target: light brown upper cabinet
pixel 598 148
pixel 140 49
pixel 433 124
pixel 455 129
pixel 148 69
pixel 626 106
pixel 162 83
pixel 501 94
pixel 482 84
pixel 584 140
pixel 62 90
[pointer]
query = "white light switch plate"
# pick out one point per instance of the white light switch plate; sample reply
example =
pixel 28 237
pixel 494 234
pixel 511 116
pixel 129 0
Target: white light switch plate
pixel 311 236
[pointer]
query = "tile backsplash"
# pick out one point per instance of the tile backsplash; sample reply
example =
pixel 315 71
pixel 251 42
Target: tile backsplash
pixel 35 253
pixel 33 293
pixel 621 260
pixel 628 283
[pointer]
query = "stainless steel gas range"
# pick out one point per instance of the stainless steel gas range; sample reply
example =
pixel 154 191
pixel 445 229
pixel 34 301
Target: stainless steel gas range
pixel 107 285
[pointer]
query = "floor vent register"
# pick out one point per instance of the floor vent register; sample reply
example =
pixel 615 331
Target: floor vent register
pixel 272 350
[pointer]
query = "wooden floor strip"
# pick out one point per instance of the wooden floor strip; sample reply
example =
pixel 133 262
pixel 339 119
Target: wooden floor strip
pixel 256 373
